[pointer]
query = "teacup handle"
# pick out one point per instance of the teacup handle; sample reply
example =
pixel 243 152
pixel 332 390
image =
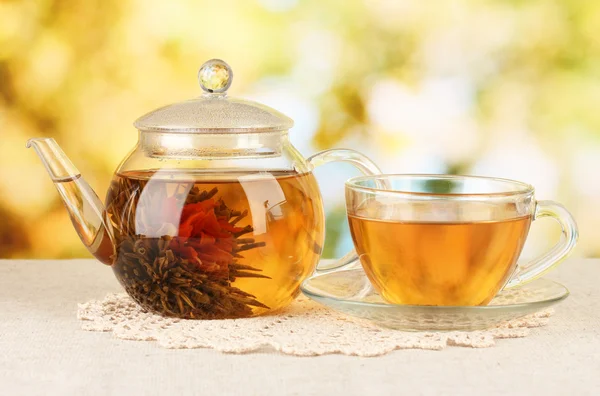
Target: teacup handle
pixel 540 265
pixel 363 164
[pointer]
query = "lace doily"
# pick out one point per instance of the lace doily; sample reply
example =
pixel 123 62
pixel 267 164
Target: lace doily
pixel 305 328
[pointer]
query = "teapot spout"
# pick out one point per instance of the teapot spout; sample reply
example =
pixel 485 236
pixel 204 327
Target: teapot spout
pixel 85 208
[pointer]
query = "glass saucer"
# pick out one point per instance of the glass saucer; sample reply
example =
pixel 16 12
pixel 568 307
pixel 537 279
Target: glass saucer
pixel 348 291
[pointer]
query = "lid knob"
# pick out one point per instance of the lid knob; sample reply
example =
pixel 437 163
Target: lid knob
pixel 215 76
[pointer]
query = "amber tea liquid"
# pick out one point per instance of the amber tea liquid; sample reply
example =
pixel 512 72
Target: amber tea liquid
pixel 445 263
pixel 270 224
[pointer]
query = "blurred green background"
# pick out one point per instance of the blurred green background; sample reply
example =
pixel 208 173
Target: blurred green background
pixel 501 88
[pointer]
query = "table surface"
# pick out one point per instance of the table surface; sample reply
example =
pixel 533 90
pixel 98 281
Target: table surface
pixel 43 350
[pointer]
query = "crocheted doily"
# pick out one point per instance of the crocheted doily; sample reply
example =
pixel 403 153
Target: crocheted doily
pixel 305 328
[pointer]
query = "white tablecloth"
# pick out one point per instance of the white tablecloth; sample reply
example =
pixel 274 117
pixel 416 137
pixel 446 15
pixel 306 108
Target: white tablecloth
pixel 43 351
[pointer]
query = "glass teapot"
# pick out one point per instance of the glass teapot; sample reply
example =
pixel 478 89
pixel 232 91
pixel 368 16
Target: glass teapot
pixel 213 214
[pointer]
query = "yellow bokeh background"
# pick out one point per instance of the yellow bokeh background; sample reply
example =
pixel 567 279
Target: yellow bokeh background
pixel 500 88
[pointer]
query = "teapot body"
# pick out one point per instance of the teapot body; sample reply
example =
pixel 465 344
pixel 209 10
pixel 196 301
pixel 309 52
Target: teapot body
pixel 214 226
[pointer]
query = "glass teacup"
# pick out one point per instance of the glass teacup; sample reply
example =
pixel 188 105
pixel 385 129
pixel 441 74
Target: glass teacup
pixel 448 240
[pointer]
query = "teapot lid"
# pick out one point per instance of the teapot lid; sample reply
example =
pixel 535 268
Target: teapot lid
pixel 214 111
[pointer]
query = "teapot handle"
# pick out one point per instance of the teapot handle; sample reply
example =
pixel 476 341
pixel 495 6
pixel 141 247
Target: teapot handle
pixel 363 164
